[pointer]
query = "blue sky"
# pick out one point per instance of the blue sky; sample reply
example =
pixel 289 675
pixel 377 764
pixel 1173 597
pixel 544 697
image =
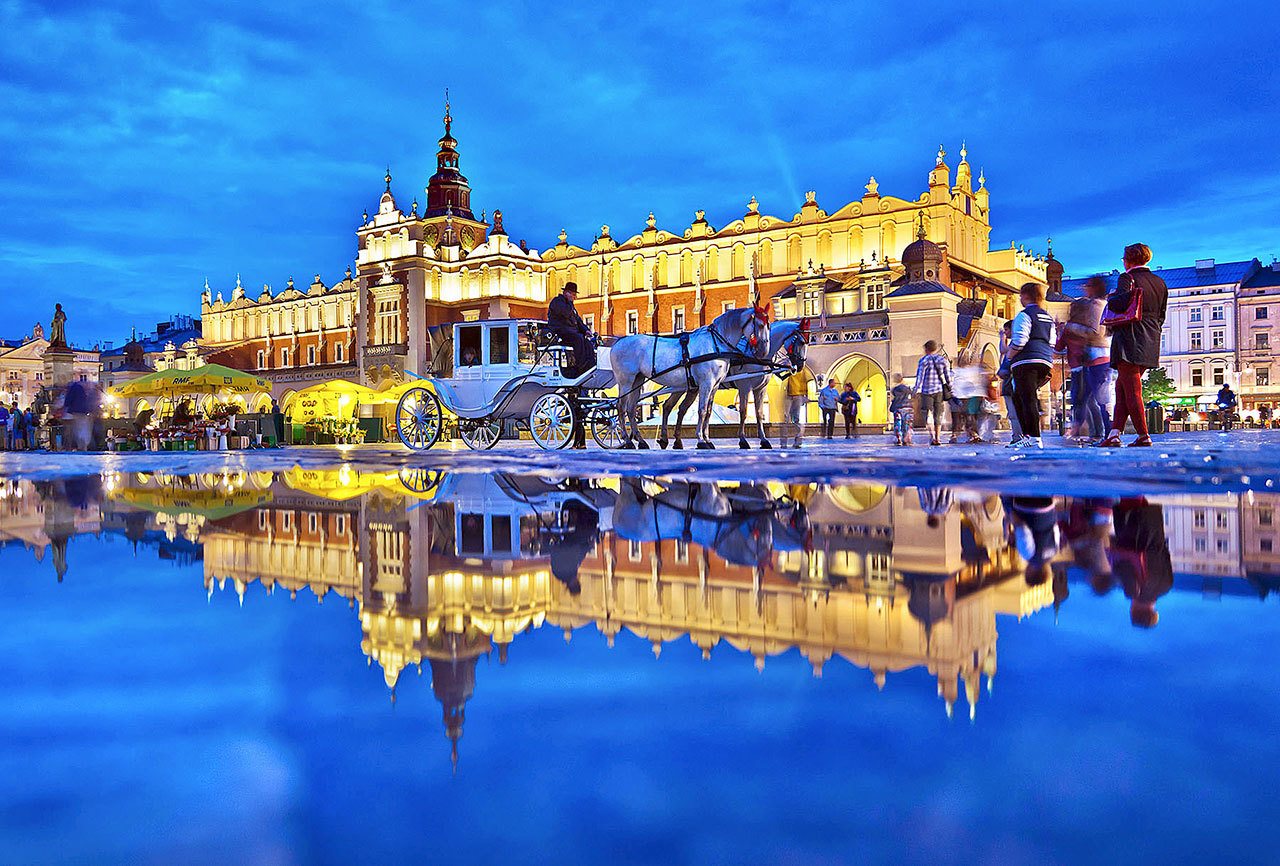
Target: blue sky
pixel 147 145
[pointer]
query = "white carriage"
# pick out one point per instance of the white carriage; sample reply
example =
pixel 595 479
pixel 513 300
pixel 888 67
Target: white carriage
pixel 509 372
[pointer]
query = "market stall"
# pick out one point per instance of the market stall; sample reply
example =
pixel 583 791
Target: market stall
pixel 197 409
pixel 327 413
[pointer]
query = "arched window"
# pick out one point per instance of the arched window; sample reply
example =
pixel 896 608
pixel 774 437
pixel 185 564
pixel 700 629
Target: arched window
pixel 855 244
pixel 764 257
pixel 889 241
pixel 686 268
pixel 793 254
pixel 824 249
pixel 739 268
pixel 637 274
pixel 713 265
pixel 662 278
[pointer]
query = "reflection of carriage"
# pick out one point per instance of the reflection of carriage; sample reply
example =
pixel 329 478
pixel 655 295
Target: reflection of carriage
pixel 514 371
pixel 504 371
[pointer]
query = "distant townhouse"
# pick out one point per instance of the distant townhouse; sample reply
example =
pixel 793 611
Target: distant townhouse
pixel 1259 305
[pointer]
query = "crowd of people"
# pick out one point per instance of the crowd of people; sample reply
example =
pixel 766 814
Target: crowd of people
pixel 17 427
pixel 1109 341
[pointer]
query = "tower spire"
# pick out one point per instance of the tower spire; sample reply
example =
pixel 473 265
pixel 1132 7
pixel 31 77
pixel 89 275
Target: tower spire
pixel 447 186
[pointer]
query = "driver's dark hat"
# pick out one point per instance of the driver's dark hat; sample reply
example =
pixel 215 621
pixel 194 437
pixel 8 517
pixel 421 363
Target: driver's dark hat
pixel 571 286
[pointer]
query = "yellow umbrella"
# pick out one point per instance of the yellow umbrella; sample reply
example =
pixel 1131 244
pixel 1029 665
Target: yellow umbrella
pixel 340 484
pixel 210 503
pixel 335 399
pixel 210 378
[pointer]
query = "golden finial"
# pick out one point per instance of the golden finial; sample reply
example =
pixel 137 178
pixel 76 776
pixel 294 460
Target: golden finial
pixel 942 153
pixel 388 178
pixel 920 232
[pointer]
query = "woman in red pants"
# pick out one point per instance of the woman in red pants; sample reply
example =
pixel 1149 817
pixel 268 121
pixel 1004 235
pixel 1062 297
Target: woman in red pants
pixel 1135 346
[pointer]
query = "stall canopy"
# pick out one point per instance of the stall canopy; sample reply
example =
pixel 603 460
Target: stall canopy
pixel 209 379
pixel 335 399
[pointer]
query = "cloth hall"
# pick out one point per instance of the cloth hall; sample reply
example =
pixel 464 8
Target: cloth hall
pixel 876 277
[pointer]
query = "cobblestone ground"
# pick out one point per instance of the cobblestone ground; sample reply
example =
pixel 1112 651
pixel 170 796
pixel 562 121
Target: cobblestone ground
pixel 1240 460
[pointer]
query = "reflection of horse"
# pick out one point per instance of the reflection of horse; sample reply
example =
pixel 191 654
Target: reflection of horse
pixel 735 524
pixel 790 338
pixel 698 359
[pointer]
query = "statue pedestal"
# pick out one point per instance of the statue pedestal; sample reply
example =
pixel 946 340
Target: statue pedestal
pixel 59 366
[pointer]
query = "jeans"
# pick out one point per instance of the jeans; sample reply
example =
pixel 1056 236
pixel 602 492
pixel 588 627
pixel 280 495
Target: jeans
pixel 1014 427
pixel 828 422
pixel 1028 379
pixel 795 417
pixel 1094 389
pixel 850 424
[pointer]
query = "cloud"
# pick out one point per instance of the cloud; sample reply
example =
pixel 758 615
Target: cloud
pixel 163 146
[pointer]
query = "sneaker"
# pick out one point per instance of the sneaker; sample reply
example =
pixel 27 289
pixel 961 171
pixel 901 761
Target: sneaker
pixel 1013 443
pixel 1029 442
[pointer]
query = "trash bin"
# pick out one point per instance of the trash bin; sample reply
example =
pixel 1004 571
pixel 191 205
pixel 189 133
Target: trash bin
pixel 1155 420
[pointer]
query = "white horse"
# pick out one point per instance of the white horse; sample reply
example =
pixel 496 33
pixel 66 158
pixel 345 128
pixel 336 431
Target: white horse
pixel 721 521
pixel 791 338
pixel 701 357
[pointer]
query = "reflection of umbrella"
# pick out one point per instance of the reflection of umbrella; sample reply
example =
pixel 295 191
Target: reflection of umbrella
pixel 209 503
pixel 341 484
pixel 211 378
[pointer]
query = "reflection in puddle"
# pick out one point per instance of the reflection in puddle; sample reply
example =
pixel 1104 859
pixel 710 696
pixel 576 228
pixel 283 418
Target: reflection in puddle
pixel 442 569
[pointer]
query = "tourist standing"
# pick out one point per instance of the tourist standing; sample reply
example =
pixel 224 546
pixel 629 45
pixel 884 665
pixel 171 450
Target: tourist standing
pixel 1227 403
pixel 1135 345
pixel 33 429
pixel 1005 375
pixel 19 428
pixel 78 408
pixel 1088 355
pixel 849 400
pixel 828 402
pixel 933 384
pixel 1030 357
pixel 900 400
pixel 4 427
pixel 797 404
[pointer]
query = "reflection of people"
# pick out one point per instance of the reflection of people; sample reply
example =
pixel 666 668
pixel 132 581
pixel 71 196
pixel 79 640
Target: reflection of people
pixel 571 547
pixel 563 320
pixel 1035 533
pixel 934 502
pixel 1140 558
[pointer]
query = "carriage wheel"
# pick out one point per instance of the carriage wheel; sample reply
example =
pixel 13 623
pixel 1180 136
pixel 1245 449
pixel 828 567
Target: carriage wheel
pixel 418 419
pixel 608 430
pixel 551 421
pixel 480 435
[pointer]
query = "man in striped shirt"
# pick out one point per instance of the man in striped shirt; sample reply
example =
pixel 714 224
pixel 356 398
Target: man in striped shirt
pixel 933 377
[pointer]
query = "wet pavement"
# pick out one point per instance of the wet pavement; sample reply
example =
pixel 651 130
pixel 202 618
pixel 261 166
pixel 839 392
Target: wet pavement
pixel 845 654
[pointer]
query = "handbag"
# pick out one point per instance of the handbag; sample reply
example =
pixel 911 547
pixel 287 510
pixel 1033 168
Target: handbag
pixel 1131 314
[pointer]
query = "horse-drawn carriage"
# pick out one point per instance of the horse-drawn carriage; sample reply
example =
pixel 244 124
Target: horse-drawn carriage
pixel 509 372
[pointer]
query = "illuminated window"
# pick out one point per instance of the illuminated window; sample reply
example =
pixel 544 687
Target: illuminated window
pixel 1219 339
pixel 1197 316
pixel 340 524
pixel 313 522
pixel 634 551
pixel 682 550
pixel 311 354
pixel 590 320
pixel 875 297
pixel 1262 340
pixel 1219 375
pixel 1197 340
pixel 1197 377
pixel 633 321
pixel 677 320
pixel 339 352
pixel 1217 313
pixel 1220 520
pixel 284 357
pixel 1198 519
pixel 386 327
pixel 262 359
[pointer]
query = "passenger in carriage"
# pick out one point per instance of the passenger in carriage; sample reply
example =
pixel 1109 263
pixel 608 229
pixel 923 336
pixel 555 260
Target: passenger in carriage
pixel 563 321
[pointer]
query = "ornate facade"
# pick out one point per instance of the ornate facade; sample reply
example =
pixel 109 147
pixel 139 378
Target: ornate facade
pixel 23 372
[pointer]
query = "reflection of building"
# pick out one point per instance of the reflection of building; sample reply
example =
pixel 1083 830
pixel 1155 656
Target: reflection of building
pixel 1204 534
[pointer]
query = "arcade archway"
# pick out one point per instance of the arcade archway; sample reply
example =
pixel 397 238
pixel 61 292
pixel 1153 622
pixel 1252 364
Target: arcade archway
pixel 869 381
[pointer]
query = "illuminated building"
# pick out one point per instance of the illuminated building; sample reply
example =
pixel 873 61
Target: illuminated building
pixel 22 367
pixel 1259 338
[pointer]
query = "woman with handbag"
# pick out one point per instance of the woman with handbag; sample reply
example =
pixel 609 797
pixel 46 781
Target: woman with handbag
pixel 1134 315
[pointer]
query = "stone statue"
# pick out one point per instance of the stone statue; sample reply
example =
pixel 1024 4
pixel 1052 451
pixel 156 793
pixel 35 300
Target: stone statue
pixel 58 328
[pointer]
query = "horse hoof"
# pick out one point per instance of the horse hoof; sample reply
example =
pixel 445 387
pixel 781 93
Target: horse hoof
pixel 706 446
pixel 764 443
pixel 677 446
pixel 628 446
pixel 742 443
pixel 662 443
pixel 642 445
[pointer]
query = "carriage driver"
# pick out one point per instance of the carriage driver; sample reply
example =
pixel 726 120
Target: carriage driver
pixel 563 320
